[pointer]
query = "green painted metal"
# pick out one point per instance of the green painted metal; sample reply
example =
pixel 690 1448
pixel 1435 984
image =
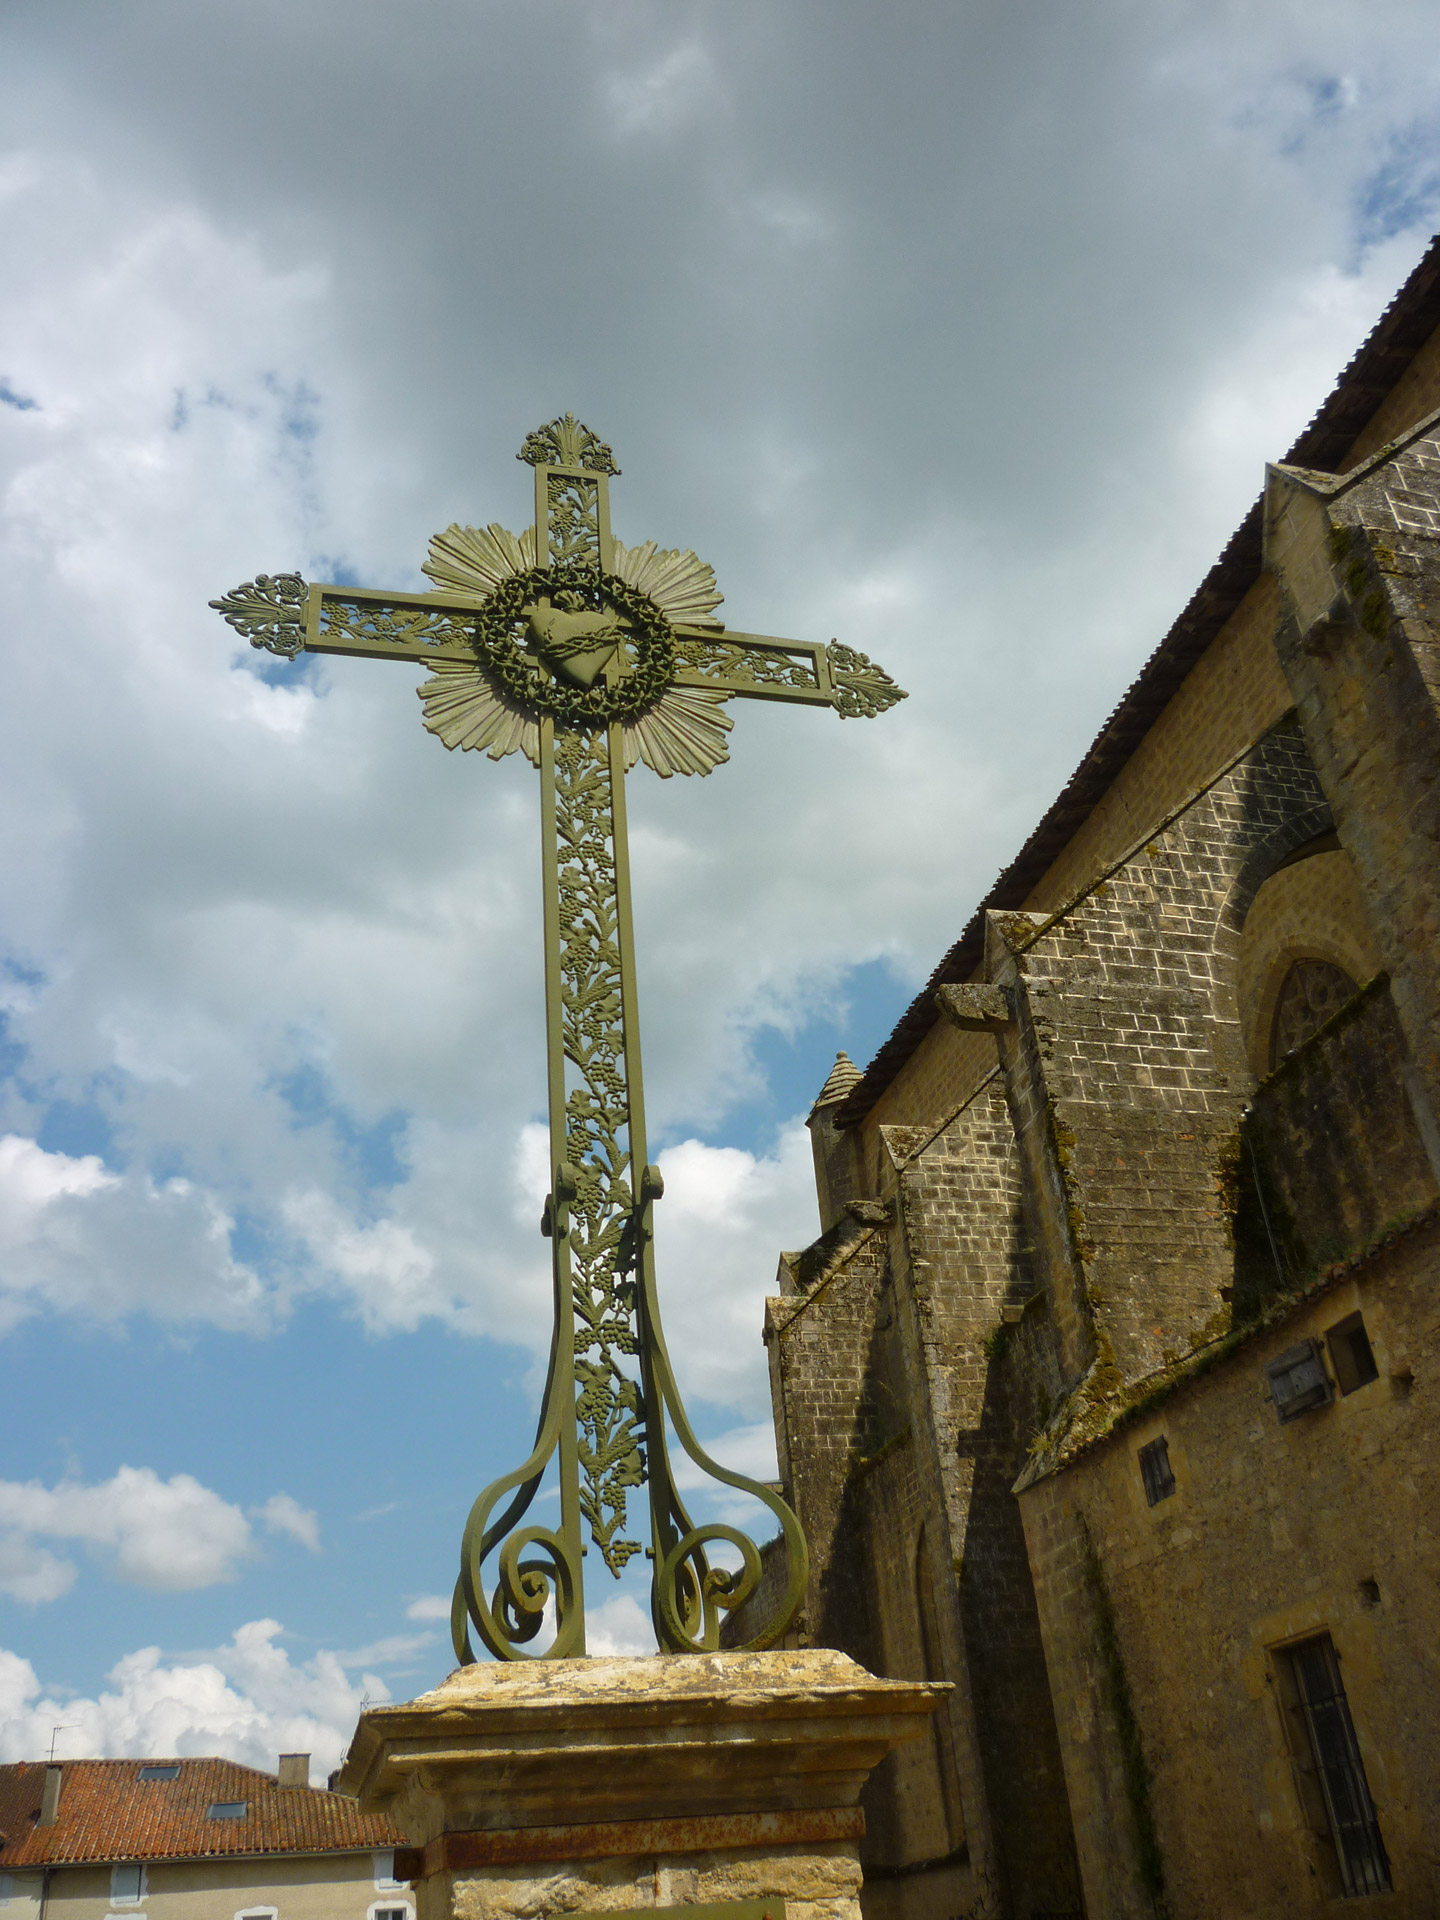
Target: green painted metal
pixel 586 656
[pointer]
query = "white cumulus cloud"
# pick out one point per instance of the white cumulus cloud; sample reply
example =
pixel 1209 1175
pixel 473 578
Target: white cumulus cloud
pixel 247 1701
pixel 387 1271
pixel 169 1536
pixel 618 1626
pixel 282 1514
pixel 724 1218
pixel 77 1237
pixel 32 1573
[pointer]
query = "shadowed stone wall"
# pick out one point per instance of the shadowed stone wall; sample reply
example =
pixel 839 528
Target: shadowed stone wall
pixel 1069 1260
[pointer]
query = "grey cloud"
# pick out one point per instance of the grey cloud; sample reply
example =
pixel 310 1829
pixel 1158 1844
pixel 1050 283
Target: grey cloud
pixel 958 333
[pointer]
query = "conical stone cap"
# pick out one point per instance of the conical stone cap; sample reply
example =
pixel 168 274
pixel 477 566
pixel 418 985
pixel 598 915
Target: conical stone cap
pixel 843 1076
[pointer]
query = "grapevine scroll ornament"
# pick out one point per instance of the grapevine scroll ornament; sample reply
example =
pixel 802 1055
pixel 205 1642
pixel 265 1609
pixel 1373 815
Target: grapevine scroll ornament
pixel 587 656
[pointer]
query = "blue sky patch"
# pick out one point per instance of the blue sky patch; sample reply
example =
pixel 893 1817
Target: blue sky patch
pixel 372 1151
pixel 794 1066
pixel 1404 190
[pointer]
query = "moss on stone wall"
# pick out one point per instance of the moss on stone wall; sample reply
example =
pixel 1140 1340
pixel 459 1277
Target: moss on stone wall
pixel 1135 1770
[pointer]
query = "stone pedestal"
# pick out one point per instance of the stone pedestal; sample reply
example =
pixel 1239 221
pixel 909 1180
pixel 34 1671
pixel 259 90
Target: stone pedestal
pixel 581 1786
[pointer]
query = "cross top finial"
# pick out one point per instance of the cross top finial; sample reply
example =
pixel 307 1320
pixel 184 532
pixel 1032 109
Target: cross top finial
pixel 567 442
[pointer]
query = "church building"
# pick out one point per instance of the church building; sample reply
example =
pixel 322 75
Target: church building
pixel 1109 1392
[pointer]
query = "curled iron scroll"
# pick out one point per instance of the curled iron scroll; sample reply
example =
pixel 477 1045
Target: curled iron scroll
pixel 536 1565
pixel 688 1594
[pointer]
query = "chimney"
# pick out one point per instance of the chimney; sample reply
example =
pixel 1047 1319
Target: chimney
pixel 50 1797
pixel 294 1770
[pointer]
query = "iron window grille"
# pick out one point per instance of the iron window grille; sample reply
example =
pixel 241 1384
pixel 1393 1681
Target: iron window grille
pixel 1298 1380
pixel 1329 1754
pixel 1156 1472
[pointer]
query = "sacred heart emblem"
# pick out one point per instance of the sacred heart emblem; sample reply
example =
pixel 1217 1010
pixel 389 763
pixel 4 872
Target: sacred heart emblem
pixel 577 644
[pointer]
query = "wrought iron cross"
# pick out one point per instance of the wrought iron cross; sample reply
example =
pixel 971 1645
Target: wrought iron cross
pixel 584 655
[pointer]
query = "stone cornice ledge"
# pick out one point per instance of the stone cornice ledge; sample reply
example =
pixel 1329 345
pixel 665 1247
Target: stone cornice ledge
pixel 504 1745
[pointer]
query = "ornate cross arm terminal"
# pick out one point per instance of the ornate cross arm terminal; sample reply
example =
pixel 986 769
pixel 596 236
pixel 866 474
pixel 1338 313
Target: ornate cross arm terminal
pixel 269 611
pixel 755 666
pixel 585 655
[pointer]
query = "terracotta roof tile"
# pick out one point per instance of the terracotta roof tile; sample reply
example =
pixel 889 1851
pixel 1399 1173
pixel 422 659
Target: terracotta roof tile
pixel 1404 327
pixel 107 1812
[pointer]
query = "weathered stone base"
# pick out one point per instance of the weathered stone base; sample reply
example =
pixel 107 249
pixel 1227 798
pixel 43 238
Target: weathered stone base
pixel 585 1786
pixel 816 1883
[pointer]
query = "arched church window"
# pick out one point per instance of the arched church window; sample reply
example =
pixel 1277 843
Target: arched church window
pixel 1310 993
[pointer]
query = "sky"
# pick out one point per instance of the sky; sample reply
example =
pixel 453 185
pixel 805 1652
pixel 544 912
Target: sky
pixel 959 332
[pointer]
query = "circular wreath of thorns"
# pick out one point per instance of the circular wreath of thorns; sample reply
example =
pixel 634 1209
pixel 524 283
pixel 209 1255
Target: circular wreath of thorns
pixel 569 705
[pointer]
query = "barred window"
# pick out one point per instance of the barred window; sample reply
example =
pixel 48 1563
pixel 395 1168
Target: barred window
pixel 1155 1470
pixel 1330 1770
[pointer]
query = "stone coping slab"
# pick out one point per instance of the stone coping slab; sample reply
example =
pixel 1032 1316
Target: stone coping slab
pixel 565 1742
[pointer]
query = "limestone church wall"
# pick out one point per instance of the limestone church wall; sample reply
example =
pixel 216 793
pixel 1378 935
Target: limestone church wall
pixel 900 1455
pixel 1234 693
pixel 1094 1203
pixel 1167 1626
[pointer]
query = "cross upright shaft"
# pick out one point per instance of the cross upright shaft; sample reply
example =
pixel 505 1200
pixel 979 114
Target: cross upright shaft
pixel 585 655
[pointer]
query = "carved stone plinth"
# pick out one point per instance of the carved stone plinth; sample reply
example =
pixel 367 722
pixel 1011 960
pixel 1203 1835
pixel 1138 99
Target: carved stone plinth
pixel 576 1786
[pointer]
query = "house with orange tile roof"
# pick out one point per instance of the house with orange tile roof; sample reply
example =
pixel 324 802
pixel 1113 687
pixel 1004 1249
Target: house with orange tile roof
pixel 190 1840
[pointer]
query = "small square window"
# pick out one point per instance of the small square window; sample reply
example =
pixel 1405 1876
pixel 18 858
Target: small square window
pixel 1350 1354
pixel 227 1809
pixel 1298 1380
pixel 1156 1471
pixel 168 1772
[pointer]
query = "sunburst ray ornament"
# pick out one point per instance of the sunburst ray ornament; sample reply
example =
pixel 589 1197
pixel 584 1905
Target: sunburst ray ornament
pixel 586 656
pixel 683 732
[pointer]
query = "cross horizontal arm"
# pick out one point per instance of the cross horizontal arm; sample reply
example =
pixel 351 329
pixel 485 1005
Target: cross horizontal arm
pixel 284 615
pixel 752 666
pixel 366 622
pixel 756 666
